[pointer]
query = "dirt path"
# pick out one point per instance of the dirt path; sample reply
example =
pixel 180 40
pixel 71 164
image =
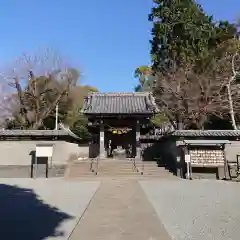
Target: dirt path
pixel 120 210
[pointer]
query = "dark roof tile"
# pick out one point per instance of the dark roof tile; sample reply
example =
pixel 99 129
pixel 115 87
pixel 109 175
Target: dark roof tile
pixel 207 133
pixel 120 103
pixel 37 133
pixel 197 133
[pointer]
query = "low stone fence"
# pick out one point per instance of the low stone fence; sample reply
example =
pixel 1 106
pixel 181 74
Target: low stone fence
pixel 165 150
pixel 22 152
pixel 18 148
pixel 17 157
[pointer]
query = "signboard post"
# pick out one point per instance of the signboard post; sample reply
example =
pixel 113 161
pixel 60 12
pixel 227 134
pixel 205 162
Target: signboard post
pixel 189 168
pixel 43 150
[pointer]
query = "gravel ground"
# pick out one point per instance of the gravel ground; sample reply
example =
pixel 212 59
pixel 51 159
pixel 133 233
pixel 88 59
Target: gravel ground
pixel 198 209
pixel 42 208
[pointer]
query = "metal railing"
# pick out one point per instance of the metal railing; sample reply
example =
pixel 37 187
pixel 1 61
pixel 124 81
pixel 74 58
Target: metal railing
pixel 97 165
pixel 91 165
pixel 134 166
pixel 142 162
pixel 94 164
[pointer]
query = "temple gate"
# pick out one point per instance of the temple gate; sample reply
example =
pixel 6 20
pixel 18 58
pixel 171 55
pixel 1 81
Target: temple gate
pixel 116 121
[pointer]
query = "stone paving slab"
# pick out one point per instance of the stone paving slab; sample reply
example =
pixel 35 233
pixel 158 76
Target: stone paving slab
pixel 43 208
pixel 120 210
pixel 198 209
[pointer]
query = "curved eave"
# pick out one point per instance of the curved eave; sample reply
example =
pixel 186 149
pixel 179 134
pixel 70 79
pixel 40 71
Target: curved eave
pixel 117 115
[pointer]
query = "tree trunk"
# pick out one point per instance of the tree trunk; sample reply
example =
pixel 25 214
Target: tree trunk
pixel 231 110
pixel 179 115
pixel 179 123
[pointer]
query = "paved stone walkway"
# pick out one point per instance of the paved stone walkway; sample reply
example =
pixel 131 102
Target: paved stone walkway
pixel 120 210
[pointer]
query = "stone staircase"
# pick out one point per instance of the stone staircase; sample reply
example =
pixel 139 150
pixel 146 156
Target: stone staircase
pixel 56 171
pixel 113 168
pixel 151 169
pixel 83 168
pixel 116 168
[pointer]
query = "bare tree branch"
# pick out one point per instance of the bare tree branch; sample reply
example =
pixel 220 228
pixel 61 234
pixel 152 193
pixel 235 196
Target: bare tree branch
pixel 37 83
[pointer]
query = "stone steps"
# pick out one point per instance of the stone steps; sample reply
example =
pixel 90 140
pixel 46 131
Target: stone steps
pixel 116 168
pixel 118 174
pixel 137 177
pixel 160 170
pixel 80 169
pixel 103 170
pixel 151 169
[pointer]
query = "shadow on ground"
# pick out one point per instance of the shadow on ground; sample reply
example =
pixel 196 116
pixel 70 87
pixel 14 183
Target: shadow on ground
pixel 24 216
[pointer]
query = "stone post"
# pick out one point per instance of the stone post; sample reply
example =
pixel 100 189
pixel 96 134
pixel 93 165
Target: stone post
pixel 101 141
pixel 138 147
pixel 225 167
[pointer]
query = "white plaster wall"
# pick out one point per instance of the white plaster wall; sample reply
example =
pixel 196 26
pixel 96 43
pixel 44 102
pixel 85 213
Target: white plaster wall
pixel 19 152
pixel 232 150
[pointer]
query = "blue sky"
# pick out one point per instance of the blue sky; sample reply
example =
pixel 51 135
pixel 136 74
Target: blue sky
pixel 105 39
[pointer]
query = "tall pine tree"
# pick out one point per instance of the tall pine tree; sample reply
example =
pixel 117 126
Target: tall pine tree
pixel 182 33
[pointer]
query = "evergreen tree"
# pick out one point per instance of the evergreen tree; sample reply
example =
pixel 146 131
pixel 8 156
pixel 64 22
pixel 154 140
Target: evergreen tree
pixel 182 33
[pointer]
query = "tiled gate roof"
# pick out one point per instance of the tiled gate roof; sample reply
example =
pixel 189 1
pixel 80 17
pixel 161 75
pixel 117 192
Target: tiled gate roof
pixel 120 103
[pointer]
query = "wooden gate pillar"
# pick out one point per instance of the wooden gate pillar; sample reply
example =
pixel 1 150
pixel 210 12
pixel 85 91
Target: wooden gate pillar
pixel 138 147
pixel 101 141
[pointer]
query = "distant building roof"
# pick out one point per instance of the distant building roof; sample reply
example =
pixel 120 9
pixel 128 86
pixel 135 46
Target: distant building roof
pixel 119 103
pixel 202 142
pixel 38 133
pixel 197 133
pixel 207 133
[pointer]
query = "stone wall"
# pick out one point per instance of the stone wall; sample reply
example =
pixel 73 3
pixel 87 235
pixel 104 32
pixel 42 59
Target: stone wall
pixel 232 150
pixel 21 152
pixel 166 153
pixel 17 158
